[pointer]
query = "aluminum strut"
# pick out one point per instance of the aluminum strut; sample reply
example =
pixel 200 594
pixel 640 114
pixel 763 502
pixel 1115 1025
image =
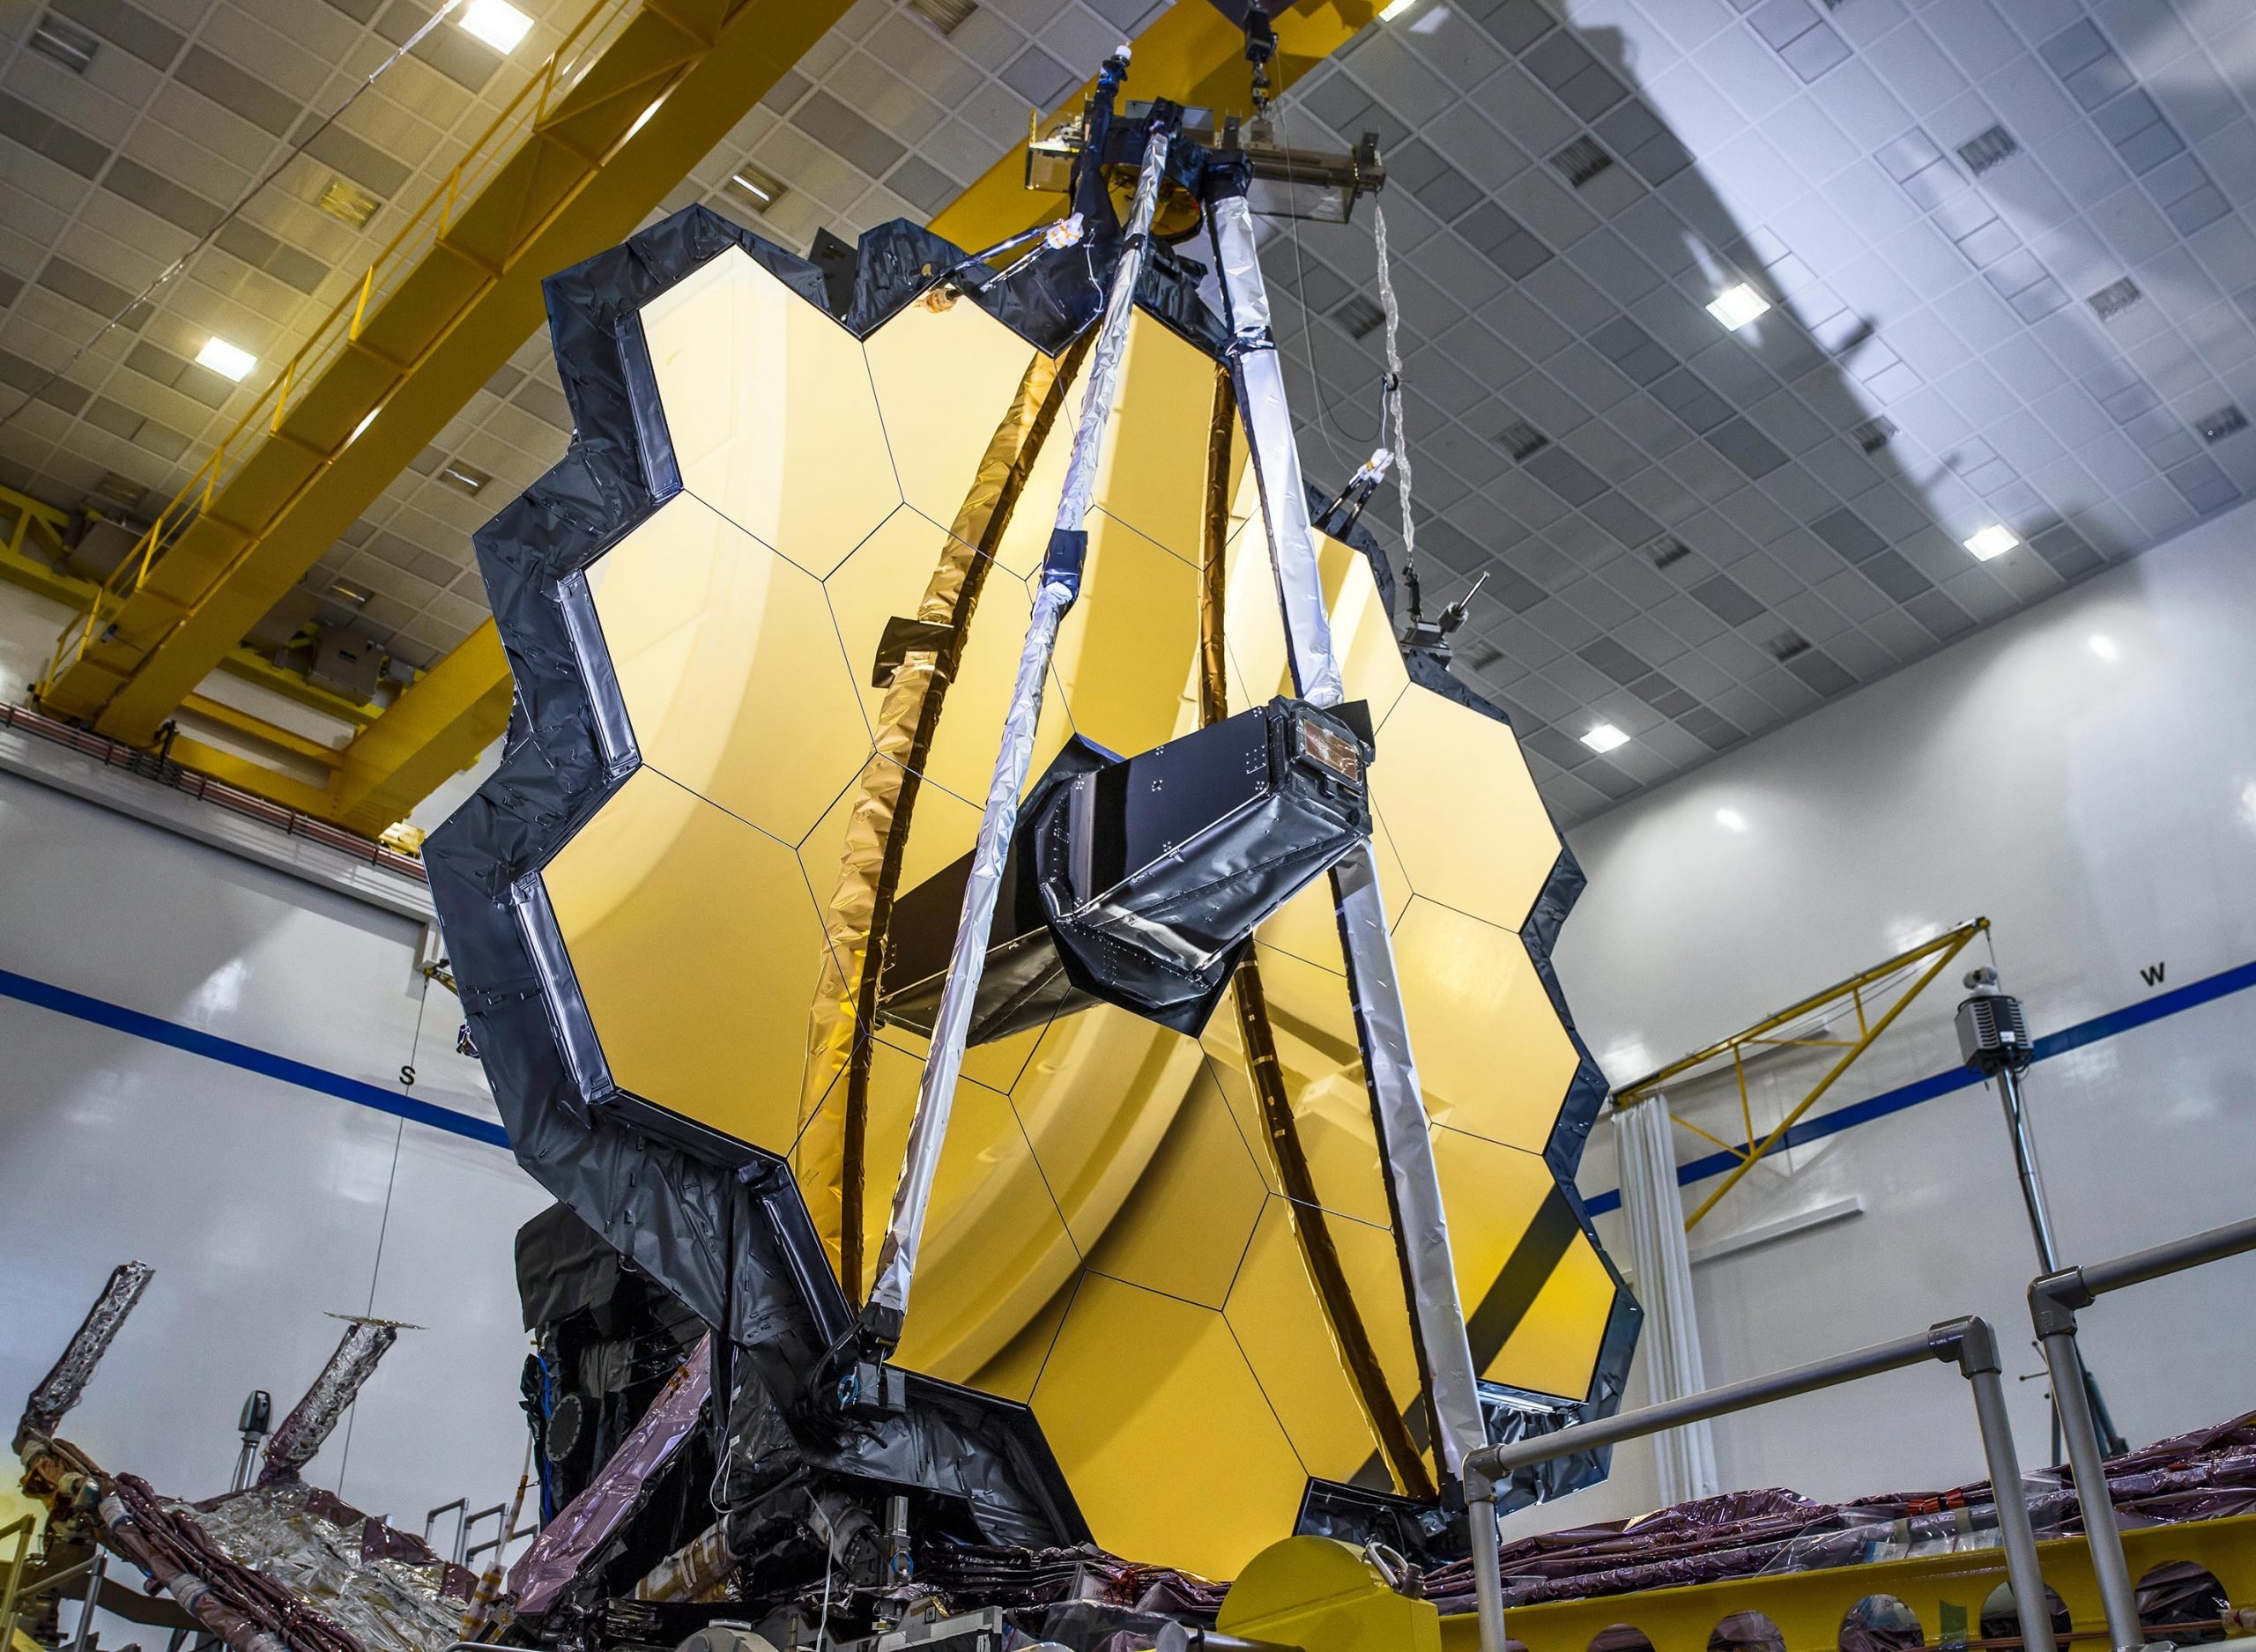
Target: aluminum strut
pixel 1398 1104
pixel 1060 583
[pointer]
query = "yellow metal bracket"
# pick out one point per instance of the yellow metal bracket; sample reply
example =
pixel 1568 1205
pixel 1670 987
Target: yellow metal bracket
pixel 1907 975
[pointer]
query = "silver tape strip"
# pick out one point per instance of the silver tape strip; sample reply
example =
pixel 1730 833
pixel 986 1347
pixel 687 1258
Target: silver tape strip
pixel 1276 456
pixel 1390 1071
pixel 1398 1103
pixel 1105 367
pixel 912 1194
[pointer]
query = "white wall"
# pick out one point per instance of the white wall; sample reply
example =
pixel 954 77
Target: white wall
pixel 263 1206
pixel 2096 800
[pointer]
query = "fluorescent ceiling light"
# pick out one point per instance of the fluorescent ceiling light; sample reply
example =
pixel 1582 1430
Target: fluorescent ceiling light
pixel 226 359
pixel 1387 14
pixel 1605 738
pixel 496 22
pixel 1732 819
pixel 1993 541
pixel 2105 648
pixel 1736 305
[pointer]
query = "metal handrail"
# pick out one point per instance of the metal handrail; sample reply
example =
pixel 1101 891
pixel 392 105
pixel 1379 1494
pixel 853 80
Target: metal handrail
pixel 1968 1343
pixel 21 1530
pixel 2053 1300
pixel 485 153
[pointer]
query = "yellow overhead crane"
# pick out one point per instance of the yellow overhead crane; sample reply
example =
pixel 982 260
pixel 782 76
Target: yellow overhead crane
pixel 637 93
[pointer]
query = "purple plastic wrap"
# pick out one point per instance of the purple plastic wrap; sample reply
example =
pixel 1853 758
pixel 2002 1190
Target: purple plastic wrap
pixel 566 1541
pixel 2201 1475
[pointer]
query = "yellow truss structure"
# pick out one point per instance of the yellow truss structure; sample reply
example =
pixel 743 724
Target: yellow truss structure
pixel 1781 1030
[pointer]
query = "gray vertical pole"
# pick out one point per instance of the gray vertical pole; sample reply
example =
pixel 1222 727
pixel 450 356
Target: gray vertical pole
pixel 2030 1604
pixel 2109 1568
pixel 93 1597
pixel 2024 1157
pixel 1487 1574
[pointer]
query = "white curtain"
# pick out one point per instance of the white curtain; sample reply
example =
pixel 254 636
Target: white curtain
pixel 1671 1333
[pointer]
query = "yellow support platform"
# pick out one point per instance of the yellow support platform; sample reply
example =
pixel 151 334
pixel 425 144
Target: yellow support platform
pixel 639 92
pixel 1946 1591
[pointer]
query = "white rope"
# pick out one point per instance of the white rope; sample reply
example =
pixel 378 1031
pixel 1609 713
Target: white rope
pixel 1401 442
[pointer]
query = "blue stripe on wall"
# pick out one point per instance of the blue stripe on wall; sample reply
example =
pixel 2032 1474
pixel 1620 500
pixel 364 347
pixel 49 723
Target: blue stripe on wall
pixel 2162 1006
pixel 157 1030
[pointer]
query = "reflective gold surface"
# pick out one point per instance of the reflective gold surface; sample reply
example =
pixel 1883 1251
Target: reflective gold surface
pixel 1108 1239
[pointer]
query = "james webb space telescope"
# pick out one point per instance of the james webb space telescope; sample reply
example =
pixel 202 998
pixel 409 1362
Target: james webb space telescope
pixel 979 905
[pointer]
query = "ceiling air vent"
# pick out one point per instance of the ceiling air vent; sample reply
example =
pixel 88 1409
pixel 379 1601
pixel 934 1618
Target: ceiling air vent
pixel 2217 426
pixel 1522 439
pixel 348 203
pixel 1786 645
pixel 1667 551
pixel 1581 161
pixel 1478 655
pixel 466 479
pixel 1359 315
pixel 2110 301
pixel 1874 435
pixel 1985 150
pixel 121 490
pixel 948 16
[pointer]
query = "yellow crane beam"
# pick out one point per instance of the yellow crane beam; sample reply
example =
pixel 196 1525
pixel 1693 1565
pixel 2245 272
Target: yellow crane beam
pixel 446 718
pixel 202 577
pixel 1191 53
pixel 639 92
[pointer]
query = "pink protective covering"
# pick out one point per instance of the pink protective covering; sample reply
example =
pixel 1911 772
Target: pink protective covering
pixel 566 1542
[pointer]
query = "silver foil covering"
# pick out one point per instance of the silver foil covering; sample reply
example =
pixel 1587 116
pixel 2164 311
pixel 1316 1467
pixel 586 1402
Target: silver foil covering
pixel 928 1128
pixel 61 1388
pixel 387 1605
pixel 1398 1104
pixel 291 1446
pixel 1111 345
pixel 1276 456
pixel 1390 1071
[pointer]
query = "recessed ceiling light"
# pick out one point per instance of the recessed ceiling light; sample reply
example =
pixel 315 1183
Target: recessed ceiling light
pixel 1730 819
pixel 1605 738
pixel 1736 305
pixel 758 190
pixel 1993 541
pixel 1395 9
pixel 2104 648
pixel 496 22
pixel 226 359
pixel 65 43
